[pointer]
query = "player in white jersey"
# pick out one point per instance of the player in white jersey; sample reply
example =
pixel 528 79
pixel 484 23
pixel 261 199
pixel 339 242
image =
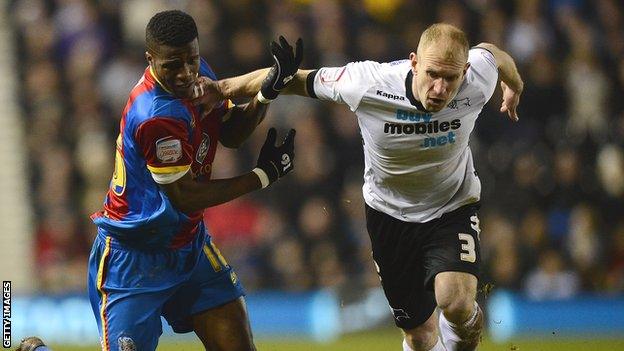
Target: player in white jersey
pixel 420 187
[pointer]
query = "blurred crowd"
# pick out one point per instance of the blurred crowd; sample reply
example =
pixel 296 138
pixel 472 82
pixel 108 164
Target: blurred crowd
pixel 552 212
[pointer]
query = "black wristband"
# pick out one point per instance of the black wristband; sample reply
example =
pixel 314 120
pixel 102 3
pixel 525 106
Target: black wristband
pixel 310 84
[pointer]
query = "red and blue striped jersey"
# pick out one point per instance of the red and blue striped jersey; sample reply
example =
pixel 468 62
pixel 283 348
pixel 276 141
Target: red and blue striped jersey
pixel 160 136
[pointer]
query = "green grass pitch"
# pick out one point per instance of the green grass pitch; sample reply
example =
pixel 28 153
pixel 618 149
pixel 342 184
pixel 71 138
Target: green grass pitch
pixel 390 339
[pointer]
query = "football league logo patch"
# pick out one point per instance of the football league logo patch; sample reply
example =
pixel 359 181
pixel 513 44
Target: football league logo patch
pixel 168 150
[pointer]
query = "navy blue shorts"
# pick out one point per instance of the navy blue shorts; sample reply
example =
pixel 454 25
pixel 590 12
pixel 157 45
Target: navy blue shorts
pixel 131 289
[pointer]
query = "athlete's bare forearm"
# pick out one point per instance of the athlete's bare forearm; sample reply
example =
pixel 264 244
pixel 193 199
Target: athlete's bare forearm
pixel 188 195
pixel 242 122
pixel 506 67
pixel 246 85
pixel 298 84
pixel 249 84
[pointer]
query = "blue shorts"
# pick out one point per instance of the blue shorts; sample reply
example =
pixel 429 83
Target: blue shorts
pixel 130 289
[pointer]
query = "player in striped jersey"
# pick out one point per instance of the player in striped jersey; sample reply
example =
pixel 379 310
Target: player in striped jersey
pixel 152 255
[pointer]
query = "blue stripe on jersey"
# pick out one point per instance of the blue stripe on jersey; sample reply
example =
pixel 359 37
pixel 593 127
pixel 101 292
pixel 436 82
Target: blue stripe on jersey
pixel 151 221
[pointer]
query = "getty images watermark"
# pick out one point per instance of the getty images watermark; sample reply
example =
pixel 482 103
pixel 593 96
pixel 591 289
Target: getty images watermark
pixel 6 314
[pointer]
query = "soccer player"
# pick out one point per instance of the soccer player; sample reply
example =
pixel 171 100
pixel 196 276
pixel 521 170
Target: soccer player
pixel 420 186
pixel 152 255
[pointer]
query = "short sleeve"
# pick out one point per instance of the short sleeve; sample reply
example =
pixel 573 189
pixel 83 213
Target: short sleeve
pixel 485 70
pixel 346 84
pixel 166 148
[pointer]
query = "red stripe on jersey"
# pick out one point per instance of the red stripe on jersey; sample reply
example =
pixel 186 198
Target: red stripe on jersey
pixel 116 206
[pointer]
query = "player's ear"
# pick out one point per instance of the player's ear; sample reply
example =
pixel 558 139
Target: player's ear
pixel 413 60
pixel 149 57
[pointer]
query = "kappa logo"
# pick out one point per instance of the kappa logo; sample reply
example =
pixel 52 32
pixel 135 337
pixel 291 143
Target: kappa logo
pixel 399 314
pixel 126 344
pixel 413 116
pixel 168 150
pixel 202 150
pixel 390 95
pixel 456 104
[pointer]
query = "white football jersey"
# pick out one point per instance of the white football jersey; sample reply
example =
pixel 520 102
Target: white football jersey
pixel 418 165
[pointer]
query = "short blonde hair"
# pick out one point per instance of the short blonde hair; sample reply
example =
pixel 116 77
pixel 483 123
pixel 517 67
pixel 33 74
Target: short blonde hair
pixel 452 40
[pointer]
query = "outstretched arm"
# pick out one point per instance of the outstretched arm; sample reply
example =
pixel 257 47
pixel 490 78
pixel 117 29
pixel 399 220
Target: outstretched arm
pixel 274 162
pixel 267 83
pixel 249 84
pixel 246 85
pixel 511 82
pixel 299 83
pixel 243 119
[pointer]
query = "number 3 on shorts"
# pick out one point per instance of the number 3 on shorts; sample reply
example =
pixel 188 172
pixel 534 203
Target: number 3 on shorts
pixel 468 253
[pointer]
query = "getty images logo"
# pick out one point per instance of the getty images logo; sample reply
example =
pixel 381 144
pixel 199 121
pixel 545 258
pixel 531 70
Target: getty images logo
pixel 6 314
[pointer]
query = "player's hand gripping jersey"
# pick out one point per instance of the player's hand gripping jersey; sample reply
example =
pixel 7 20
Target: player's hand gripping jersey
pixel 161 139
pixel 418 165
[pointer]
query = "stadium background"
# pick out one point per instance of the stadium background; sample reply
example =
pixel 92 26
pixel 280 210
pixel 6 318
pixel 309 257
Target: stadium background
pixel 553 184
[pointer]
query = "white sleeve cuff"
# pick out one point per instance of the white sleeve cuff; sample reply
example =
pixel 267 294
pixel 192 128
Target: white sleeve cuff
pixel 168 178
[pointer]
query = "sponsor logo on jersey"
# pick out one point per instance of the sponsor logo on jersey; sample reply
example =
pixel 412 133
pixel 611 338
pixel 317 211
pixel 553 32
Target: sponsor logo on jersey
pixel 413 116
pixel 390 96
pixel 457 104
pixel 421 128
pixel 427 128
pixel 202 150
pixel 168 150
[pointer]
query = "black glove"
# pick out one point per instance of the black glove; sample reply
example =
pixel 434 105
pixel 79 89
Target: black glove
pixel 276 161
pixel 286 65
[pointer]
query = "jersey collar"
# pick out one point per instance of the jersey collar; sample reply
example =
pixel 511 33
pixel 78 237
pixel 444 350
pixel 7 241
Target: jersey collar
pixel 410 95
pixel 158 81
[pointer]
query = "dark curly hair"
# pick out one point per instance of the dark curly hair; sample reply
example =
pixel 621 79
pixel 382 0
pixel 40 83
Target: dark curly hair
pixel 173 28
